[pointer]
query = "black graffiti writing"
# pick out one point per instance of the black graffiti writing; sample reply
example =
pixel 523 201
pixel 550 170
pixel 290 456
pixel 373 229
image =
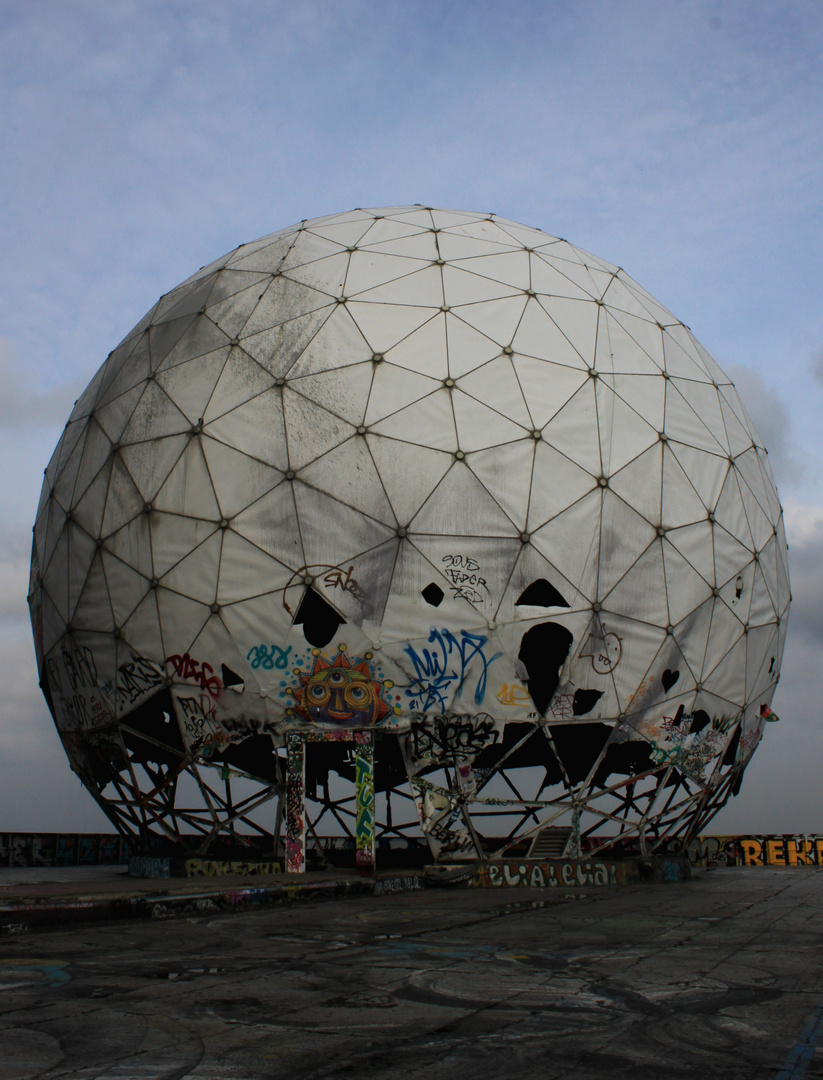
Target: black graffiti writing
pixel 196 712
pixel 79 666
pixel 452 737
pixel 248 725
pixel 466 581
pixel 461 562
pixel 136 678
pixel 86 713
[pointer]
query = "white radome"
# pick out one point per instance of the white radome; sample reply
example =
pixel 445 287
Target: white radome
pixel 482 469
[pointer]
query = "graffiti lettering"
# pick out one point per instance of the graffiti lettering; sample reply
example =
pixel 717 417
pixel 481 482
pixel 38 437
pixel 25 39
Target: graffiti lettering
pixel 364 829
pixel 336 579
pixel 333 577
pixel 406 883
pixel 446 668
pixel 465 579
pixel 186 668
pixel 514 694
pixel 798 850
pixel 261 656
pixel 452 737
pixel 548 875
pixel 85 712
pixel 149 866
pixel 462 562
pixel 219 868
pixel 79 667
pixel 242 726
pixel 134 679
pixel 562 706
pixel 199 718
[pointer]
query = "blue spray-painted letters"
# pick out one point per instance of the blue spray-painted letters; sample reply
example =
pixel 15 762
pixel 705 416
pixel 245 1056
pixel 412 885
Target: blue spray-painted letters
pixel 446 667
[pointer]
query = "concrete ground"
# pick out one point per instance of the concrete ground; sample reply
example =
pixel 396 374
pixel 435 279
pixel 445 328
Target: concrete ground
pixel 719 977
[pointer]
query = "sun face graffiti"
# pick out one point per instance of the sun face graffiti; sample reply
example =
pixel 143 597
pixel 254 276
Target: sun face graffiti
pixel 341 694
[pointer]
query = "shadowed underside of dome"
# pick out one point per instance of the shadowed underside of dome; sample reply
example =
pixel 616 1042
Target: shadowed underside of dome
pixel 406 521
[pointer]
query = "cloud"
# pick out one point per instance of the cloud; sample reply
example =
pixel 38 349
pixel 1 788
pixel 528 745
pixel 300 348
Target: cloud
pixel 804 529
pixel 817 365
pixel 781 791
pixel 772 420
pixel 25 402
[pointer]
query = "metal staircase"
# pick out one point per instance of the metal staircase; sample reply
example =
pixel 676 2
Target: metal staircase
pixel 550 843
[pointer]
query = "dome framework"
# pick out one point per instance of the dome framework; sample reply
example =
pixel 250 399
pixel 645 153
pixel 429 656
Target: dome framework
pixel 409 519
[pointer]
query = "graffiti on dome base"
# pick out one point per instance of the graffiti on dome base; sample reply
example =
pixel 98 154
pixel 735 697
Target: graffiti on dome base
pixel 295 805
pixel 220 867
pixel 297 819
pixel 364 781
pixel 549 875
pixel 341 693
pixel 763 850
pixel 441 817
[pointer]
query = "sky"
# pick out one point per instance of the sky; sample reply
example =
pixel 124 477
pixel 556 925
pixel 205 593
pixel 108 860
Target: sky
pixel 679 139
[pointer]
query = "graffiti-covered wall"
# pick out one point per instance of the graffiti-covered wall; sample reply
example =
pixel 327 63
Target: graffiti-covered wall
pixel 63 849
pixel 762 850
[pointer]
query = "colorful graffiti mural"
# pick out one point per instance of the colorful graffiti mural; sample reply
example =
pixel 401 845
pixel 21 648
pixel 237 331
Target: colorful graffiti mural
pixel 295 804
pixel 764 850
pixel 364 825
pixel 297 820
pixel 341 693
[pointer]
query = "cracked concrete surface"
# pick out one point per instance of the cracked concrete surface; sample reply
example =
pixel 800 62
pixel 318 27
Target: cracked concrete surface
pixel 711 978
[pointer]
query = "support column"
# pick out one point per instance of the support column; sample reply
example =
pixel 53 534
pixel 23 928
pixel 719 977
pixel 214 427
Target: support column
pixel 364 829
pixel 296 804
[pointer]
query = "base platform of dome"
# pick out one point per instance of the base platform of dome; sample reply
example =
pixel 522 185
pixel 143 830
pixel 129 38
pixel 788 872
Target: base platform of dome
pixel 409 522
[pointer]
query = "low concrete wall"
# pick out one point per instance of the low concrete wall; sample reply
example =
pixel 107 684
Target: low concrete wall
pixel 765 849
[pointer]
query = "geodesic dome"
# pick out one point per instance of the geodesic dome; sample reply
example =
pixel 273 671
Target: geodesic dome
pixel 429 475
